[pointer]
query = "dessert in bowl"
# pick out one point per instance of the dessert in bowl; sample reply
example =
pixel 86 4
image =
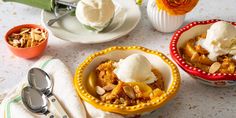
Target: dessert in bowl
pixel 205 50
pixel 127 80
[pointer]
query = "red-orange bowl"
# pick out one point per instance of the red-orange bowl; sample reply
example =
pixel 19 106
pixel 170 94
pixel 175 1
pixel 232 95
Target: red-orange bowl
pixel 29 52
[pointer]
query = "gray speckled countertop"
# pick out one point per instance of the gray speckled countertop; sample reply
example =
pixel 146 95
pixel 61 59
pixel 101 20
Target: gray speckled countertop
pixel 194 100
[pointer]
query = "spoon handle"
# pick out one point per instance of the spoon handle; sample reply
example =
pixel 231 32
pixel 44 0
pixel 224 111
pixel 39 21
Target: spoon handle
pixel 58 106
pixel 52 21
pixel 50 115
pixel 70 4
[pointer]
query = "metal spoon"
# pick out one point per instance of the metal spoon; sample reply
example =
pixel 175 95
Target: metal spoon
pixel 35 101
pixel 70 4
pixel 52 21
pixel 41 81
pixel 70 7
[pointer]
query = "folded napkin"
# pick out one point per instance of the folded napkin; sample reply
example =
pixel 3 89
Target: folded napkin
pixel 12 106
pixel 97 113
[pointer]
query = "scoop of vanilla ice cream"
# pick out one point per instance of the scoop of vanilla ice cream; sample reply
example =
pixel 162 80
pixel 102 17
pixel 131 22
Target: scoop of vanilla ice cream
pixel 220 40
pixel 95 13
pixel 135 68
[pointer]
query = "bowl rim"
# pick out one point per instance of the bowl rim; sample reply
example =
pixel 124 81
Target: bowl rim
pixel 120 109
pixel 191 69
pixel 10 31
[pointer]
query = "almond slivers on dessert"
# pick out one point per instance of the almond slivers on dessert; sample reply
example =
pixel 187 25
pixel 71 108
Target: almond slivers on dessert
pixel 213 52
pixel 104 84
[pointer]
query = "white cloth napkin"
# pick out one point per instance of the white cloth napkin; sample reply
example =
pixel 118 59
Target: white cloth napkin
pixel 12 106
pixel 97 113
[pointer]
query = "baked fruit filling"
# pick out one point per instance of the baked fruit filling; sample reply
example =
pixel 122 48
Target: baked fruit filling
pixel 104 84
pixel 213 51
pixel 197 56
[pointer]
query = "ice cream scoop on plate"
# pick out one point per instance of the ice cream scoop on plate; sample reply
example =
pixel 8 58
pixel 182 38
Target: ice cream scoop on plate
pixel 95 14
pixel 111 22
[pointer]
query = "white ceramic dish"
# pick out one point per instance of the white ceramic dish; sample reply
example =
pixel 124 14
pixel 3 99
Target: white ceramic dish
pixel 125 20
pixel 158 60
pixel 161 20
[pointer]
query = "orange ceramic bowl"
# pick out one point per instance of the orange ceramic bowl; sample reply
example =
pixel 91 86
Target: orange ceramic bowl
pixel 30 52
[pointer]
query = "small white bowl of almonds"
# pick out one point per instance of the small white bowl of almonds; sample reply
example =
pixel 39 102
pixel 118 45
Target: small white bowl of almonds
pixel 27 41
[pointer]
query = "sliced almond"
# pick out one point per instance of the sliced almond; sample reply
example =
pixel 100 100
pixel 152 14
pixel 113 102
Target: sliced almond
pixel 37 37
pixel 15 43
pixel 32 43
pixel 28 44
pixel 37 31
pixel 122 100
pixel 137 89
pixel 129 91
pixel 27 37
pixel 100 90
pixel 117 101
pixel 32 35
pixel 214 67
pixel 15 36
pixel 43 35
pixel 109 87
pixel 151 95
pixel 22 42
pixel 24 30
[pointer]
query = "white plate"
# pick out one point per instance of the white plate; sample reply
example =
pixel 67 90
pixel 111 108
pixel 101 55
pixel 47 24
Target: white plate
pixel 125 20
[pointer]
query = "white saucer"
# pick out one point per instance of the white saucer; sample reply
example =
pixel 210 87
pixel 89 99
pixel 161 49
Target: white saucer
pixel 125 20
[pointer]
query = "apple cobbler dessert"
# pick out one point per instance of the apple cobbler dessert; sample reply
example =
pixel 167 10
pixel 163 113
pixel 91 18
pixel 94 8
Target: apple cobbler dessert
pixel 214 51
pixel 128 82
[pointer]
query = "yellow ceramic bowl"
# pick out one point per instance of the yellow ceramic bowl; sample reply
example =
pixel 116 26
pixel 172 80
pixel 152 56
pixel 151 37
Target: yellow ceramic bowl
pixel 158 60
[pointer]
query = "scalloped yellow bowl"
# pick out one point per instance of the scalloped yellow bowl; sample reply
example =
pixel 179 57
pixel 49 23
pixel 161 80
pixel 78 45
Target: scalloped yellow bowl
pixel 158 60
